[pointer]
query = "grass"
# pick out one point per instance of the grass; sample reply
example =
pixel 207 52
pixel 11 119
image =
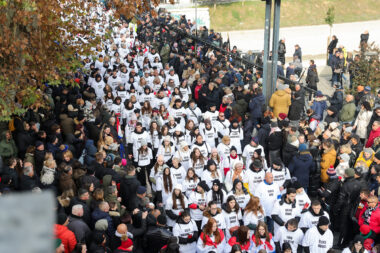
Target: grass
pixel 235 16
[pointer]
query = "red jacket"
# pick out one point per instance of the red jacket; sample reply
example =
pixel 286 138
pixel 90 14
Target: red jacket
pixel 67 237
pixel 233 242
pixel 372 136
pixel 374 220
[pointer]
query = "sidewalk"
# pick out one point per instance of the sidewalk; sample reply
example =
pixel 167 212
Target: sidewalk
pixel 312 39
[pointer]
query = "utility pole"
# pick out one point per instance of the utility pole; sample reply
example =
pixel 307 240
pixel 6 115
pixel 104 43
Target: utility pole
pixel 270 67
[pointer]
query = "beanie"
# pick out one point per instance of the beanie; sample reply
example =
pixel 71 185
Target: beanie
pixel 277 161
pixel 331 171
pixel 323 220
pixel 101 225
pixel 61 218
pixel 204 186
pixel 349 172
pixel 141 190
pixel 233 148
pixel 302 147
pixel 359 238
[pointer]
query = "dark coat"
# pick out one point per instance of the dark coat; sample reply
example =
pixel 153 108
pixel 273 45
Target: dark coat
pixel 301 167
pixel 275 140
pixel 255 106
pixel 12 174
pixel 128 188
pixel 332 46
pixel 337 99
pixel 156 237
pixel 296 109
pixel 211 98
pixel 312 78
pixel 288 152
pixel 79 228
pixel 39 158
pixel 28 183
pixel 263 134
pixel 23 140
pixel 86 209
pixel 97 214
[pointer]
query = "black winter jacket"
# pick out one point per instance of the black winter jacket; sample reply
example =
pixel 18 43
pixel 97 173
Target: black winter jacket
pixel 156 237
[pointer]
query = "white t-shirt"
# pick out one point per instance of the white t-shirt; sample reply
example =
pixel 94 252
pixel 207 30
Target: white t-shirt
pixel 316 242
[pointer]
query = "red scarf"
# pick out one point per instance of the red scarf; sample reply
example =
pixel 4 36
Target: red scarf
pixel 209 242
pixel 267 244
pixel 126 245
pixel 233 242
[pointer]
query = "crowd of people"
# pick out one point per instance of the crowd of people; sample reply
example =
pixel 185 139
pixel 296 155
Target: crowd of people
pixel 167 145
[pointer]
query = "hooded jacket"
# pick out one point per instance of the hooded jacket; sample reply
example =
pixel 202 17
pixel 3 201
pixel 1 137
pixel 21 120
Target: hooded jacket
pixel 7 147
pixel 301 167
pixel 328 159
pixel 67 237
pixel 280 102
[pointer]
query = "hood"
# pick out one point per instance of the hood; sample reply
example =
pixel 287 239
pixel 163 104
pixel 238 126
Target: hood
pixel 98 214
pixel 281 93
pixel 320 99
pixel 305 156
pixel 90 147
pixel 260 98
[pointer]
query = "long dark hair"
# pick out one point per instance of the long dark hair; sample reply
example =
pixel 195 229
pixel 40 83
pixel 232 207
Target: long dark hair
pixel 167 179
pixel 257 234
pixel 228 208
pixel 242 235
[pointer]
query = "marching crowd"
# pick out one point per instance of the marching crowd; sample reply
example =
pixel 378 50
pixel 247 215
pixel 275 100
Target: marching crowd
pixel 167 145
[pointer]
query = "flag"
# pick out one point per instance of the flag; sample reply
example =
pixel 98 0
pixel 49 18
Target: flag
pixel 120 136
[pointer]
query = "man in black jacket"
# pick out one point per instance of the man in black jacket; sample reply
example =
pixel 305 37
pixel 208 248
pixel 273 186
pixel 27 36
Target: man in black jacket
pixel 157 236
pixel 347 198
pixel 128 188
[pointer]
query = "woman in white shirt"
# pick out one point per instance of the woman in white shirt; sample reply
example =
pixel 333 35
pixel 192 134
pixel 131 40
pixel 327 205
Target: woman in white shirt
pixel 143 157
pixel 211 173
pixel 183 155
pixel 197 162
pixel 166 149
pixel 175 205
pixel 190 182
pixel 211 239
pixel 357 246
pixel 253 213
pixel 232 216
pixel 164 186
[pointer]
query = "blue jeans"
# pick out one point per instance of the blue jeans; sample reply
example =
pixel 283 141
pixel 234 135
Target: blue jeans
pixel 270 224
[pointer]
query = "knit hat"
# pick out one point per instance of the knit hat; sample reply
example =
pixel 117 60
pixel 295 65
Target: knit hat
pixel 348 129
pixel 167 138
pixel 233 148
pixel 210 162
pixel 101 225
pixel 143 142
pixel 183 144
pixel 367 88
pixel 39 143
pixel 204 186
pixel 359 171
pixel 282 116
pixel 256 164
pixel 161 219
pixel 323 220
pixel 178 187
pixel 349 172
pixel 302 147
pixel 359 238
pixel 255 140
pixel 61 218
pixel 277 161
pixel 331 171
pixel 216 182
pixel 141 190
pixel 258 151
pixel 377 155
